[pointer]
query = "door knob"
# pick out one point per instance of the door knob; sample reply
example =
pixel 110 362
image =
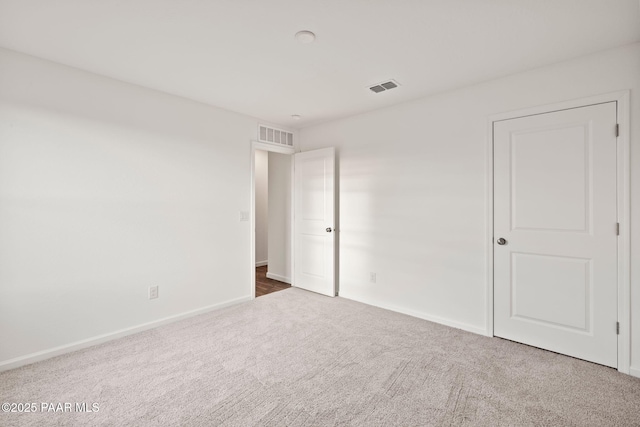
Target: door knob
pixel 502 241
pixel 328 230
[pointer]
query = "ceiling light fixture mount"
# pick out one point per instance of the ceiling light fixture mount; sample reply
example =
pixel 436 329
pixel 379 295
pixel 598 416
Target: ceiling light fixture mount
pixel 305 37
pixel 296 116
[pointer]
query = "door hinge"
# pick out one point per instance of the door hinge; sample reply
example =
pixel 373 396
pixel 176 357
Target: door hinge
pixel 617 129
pixel 617 328
pixel 617 228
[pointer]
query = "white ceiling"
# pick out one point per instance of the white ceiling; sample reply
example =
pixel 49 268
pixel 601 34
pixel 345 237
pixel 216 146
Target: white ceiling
pixel 241 55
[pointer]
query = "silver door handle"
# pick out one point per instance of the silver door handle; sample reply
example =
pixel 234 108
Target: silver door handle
pixel 328 230
pixel 502 241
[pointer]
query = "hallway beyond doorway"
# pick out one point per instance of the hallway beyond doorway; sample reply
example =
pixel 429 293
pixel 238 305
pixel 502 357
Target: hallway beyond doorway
pixel 266 286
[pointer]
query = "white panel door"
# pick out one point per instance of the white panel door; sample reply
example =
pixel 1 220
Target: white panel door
pixel 555 272
pixel 314 233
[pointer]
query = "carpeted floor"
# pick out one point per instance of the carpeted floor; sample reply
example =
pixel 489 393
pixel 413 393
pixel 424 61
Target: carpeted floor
pixel 300 359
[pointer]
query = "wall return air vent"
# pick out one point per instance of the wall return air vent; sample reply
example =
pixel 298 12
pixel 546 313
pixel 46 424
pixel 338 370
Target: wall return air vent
pixel 384 86
pixel 275 136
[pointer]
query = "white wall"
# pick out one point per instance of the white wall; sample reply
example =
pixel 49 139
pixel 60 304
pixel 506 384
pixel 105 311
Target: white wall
pixel 262 207
pixel 412 188
pixel 279 217
pixel 107 188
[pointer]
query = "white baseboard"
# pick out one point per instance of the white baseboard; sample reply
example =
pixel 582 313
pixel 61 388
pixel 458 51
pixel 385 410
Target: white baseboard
pixel 418 314
pixel 261 263
pixel 635 372
pixel 278 277
pixel 99 339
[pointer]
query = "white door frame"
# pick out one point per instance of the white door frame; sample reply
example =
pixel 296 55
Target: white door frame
pixel 255 145
pixel 624 213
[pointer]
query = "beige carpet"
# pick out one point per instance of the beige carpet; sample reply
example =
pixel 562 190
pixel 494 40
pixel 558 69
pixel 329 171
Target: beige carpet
pixel 296 358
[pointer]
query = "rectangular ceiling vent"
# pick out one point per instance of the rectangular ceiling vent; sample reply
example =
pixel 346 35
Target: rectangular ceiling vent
pixel 275 136
pixel 381 87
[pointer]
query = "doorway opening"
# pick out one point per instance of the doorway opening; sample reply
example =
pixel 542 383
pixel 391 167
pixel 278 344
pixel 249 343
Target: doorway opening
pixel 271 219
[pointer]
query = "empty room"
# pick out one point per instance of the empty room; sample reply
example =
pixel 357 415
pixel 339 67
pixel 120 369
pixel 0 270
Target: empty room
pixel 320 213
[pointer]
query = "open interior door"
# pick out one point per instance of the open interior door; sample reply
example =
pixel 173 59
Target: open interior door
pixel 314 221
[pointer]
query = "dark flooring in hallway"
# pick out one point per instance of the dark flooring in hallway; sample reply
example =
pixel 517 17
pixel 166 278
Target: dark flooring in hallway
pixel 265 285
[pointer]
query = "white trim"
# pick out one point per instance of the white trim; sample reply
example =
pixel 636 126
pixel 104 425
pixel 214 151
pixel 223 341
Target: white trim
pixel 252 222
pixel 624 240
pixel 256 145
pixel 293 220
pixel 489 229
pixel 262 263
pixel 414 313
pixel 624 206
pixel 634 371
pixel 559 106
pixel 278 277
pixel 99 339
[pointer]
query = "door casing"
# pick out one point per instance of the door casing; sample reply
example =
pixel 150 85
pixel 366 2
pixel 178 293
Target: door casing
pixel 623 196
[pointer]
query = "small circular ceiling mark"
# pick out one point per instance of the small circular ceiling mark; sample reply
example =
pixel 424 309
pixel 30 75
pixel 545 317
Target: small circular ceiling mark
pixel 305 37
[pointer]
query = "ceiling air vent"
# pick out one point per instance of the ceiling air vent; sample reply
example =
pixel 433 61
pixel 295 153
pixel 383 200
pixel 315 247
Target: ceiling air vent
pixel 381 87
pixel 275 136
